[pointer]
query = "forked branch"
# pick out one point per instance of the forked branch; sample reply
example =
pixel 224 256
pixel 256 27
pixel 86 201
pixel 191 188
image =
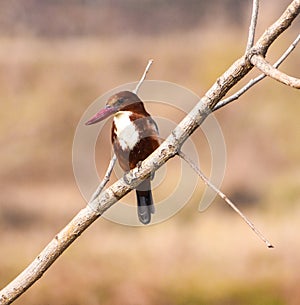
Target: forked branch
pixel 254 81
pixel 261 63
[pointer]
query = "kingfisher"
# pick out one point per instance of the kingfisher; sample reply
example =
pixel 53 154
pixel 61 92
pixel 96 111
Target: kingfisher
pixel 134 136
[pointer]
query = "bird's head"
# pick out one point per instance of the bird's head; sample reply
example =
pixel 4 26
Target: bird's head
pixel 123 100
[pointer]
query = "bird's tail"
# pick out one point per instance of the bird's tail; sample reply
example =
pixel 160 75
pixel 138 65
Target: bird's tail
pixel 145 202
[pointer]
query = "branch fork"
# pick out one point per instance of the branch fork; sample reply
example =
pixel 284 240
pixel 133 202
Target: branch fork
pixel 264 66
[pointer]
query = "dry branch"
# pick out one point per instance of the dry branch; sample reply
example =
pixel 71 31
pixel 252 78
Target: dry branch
pixel 252 28
pixel 224 197
pixel 279 26
pixel 150 61
pixel 254 81
pixel 261 63
pixel 105 179
pixel 168 149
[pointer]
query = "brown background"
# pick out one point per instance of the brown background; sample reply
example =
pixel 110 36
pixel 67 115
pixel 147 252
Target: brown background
pixel 56 57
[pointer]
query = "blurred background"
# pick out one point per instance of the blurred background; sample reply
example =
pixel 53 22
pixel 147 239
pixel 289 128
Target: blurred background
pixel 56 57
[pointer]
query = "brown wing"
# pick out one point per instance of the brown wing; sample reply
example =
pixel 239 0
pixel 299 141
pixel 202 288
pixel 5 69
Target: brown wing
pixel 149 140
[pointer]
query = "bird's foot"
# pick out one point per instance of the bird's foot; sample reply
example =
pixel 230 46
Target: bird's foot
pixel 139 164
pixel 152 175
pixel 127 181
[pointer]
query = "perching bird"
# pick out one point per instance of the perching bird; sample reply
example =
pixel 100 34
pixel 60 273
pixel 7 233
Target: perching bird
pixel 134 136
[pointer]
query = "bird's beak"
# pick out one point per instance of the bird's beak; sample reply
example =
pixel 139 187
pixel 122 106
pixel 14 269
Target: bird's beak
pixel 101 115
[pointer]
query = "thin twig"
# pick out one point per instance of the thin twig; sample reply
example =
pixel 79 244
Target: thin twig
pixel 224 197
pixel 264 66
pixel 252 82
pixel 105 179
pixel 287 52
pixel 143 76
pixel 251 35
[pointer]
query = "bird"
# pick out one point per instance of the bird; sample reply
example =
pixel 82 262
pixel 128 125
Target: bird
pixel 134 136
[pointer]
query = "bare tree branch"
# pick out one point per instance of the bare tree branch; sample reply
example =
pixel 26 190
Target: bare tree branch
pixel 150 61
pixel 254 81
pixel 279 26
pixel 251 35
pixel 105 179
pixel 168 149
pixel 287 52
pixel 224 197
pixel 261 63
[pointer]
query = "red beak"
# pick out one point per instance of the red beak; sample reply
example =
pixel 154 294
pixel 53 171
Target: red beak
pixel 101 115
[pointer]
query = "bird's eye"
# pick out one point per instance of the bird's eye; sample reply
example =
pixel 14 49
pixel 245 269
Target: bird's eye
pixel 120 101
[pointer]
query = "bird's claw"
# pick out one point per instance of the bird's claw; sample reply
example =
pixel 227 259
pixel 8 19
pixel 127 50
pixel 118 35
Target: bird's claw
pixel 125 178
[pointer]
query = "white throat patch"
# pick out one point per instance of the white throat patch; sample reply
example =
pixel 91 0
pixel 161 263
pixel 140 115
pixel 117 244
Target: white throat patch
pixel 126 132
